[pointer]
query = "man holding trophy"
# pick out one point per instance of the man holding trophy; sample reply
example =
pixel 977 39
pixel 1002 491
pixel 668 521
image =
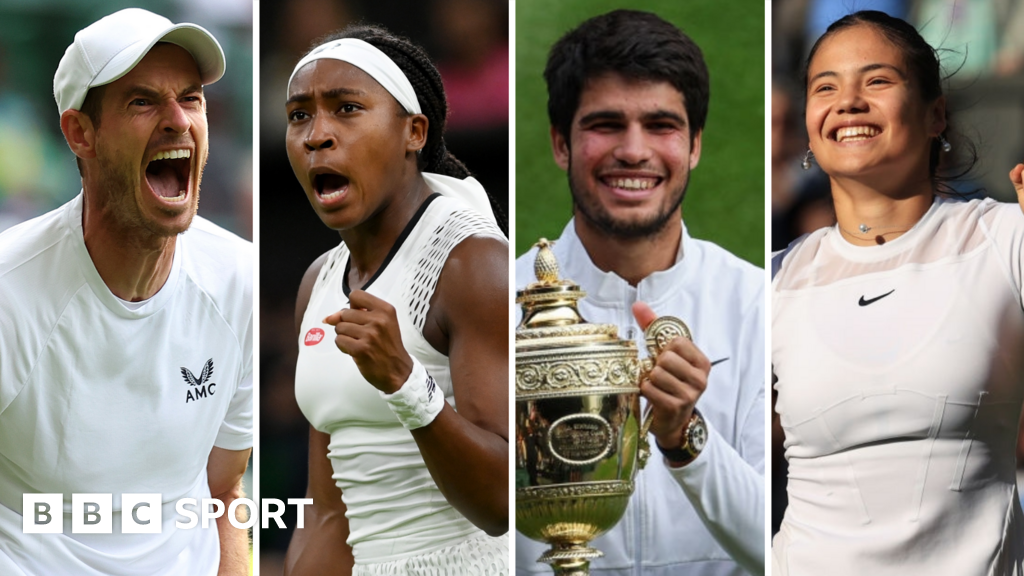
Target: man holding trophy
pixel 628 98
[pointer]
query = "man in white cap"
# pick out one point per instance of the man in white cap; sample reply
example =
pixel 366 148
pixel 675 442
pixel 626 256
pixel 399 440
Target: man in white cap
pixel 125 341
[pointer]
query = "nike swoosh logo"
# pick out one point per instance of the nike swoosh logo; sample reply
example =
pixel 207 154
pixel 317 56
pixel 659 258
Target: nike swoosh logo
pixel 864 302
pixel 720 361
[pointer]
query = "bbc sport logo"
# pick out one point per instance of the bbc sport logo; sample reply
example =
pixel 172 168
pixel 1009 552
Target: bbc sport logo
pixel 143 513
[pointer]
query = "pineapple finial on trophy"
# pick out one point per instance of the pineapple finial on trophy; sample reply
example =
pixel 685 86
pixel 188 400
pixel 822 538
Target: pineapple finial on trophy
pixel 545 267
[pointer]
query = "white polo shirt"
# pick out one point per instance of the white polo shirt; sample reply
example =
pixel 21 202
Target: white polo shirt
pixel 95 394
pixel 706 518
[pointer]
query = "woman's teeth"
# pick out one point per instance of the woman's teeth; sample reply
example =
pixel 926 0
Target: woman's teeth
pixel 854 133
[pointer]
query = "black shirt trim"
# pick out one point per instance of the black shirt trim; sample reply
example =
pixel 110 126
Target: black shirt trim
pixel 394 248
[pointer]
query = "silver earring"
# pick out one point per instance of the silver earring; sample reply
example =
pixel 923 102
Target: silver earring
pixel 946 146
pixel 806 164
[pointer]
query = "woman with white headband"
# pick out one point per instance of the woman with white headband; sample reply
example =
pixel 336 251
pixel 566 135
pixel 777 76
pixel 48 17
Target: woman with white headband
pixel 402 322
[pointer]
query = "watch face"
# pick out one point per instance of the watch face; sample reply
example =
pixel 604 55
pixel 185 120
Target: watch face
pixel 698 437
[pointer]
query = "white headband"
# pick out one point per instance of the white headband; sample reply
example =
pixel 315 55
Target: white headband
pixel 371 60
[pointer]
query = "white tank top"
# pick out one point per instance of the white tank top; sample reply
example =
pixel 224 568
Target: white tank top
pixel 394 508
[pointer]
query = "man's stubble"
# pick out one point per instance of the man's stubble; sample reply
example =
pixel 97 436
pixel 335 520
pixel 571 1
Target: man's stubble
pixel 119 202
pixel 600 218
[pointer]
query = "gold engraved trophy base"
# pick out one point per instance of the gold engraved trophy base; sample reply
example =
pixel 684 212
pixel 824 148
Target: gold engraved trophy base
pixel 580 439
pixel 592 506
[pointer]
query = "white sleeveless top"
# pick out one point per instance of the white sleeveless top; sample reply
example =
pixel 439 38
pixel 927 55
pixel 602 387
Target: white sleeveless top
pixel 394 508
pixel 900 377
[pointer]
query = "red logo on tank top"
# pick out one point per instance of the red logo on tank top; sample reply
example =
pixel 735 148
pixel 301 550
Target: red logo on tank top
pixel 314 336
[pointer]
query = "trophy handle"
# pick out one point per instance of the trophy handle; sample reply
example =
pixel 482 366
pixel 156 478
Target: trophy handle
pixel 657 336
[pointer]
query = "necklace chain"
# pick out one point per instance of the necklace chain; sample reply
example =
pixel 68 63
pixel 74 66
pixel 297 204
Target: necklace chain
pixel 864 229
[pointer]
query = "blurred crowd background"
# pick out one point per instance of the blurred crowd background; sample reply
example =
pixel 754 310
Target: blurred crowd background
pixel 37 169
pixel 981 44
pixel 468 41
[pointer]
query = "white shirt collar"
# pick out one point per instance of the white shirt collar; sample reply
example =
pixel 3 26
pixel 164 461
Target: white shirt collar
pixel 608 287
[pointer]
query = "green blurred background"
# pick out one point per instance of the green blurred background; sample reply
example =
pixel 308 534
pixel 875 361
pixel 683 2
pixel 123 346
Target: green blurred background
pixel 726 198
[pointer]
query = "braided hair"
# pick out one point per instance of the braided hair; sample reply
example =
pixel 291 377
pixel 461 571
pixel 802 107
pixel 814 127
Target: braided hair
pixel 426 82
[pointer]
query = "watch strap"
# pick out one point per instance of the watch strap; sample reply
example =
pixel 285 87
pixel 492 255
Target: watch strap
pixel 685 453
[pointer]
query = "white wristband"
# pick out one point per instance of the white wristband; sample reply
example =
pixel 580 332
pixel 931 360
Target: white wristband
pixel 418 401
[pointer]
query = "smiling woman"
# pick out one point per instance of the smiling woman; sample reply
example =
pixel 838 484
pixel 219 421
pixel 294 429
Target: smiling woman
pixel 897 332
pixel 417 296
pixel 871 121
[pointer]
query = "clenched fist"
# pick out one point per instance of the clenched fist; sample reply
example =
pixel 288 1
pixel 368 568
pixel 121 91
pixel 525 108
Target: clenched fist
pixel 368 332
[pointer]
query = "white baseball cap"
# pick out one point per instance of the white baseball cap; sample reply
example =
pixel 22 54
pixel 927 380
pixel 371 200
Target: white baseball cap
pixel 110 47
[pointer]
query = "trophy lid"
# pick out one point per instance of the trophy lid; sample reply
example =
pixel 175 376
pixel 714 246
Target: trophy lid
pixel 551 318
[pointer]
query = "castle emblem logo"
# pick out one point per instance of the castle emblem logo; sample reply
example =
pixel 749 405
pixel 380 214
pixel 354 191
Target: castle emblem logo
pixel 198 387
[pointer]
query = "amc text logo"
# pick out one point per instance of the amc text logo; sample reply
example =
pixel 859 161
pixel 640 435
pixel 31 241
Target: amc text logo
pixel 203 386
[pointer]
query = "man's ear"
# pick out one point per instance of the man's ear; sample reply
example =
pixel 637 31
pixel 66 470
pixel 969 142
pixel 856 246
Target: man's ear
pixel 417 133
pixel 560 149
pixel 79 132
pixel 695 149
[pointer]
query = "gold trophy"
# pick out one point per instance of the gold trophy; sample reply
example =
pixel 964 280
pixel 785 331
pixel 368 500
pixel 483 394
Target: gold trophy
pixel 580 440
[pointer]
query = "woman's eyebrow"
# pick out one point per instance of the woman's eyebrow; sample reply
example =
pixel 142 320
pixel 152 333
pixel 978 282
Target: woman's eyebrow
pixel 329 94
pixel 862 70
pixel 873 67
